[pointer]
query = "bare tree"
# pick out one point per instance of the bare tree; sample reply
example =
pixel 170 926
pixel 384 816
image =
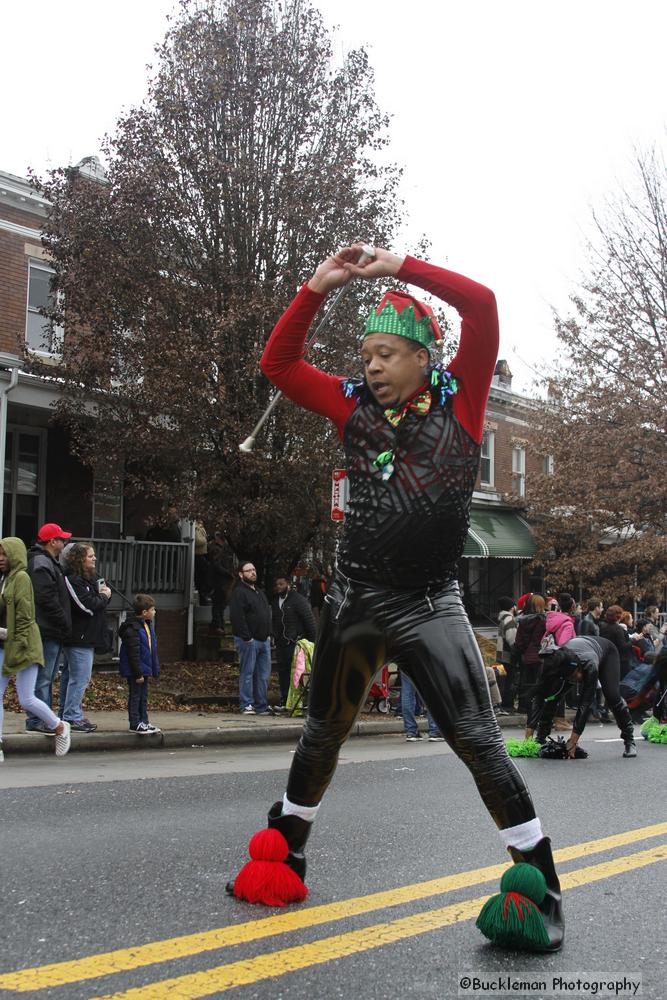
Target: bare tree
pixel 602 515
pixel 252 158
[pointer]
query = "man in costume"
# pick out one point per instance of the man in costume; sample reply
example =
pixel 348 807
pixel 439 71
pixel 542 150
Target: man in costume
pixel 411 431
pixel 586 659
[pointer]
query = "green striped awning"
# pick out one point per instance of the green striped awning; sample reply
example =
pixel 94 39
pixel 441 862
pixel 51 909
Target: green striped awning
pixel 498 534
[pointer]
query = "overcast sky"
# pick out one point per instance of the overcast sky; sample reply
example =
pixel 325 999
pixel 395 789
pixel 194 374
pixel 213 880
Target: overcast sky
pixel 511 118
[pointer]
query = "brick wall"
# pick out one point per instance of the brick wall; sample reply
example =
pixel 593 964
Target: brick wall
pixel 512 427
pixel 13 291
pixel 14 253
pixel 21 217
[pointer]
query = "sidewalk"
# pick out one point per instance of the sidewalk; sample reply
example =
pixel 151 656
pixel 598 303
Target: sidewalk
pixel 190 729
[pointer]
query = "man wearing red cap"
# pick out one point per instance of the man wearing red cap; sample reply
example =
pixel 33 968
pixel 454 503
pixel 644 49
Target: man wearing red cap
pixel 411 431
pixel 52 610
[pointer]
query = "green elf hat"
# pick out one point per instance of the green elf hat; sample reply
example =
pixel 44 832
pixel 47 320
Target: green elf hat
pixel 404 316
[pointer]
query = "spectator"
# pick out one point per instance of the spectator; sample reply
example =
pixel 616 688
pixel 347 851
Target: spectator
pixel 293 619
pixel 52 610
pixel 222 577
pixel 250 613
pixel 22 655
pixel 202 565
pixel 494 691
pixel 590 623
pixel 636 657
pixel 612 629
pixel 139 661
pixel 89 599
pixel 560 624
pixel 531 626
pixel 523 601
pixel 168 530
pixel 506 635
pixel 651 617
pixel 645 642
pixel 318 590
pixel 408 711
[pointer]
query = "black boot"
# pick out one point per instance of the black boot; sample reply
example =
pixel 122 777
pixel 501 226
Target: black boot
pixel 543 732
pixel 551 907
pixel 296 832
pixel 625 724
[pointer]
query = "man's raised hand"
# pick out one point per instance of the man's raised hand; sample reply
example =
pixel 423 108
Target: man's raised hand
pixel 337 270
pixel 384 264
pixel 332 272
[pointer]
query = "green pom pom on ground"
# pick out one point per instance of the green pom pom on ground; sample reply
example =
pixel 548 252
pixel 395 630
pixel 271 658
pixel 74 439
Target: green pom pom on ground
pixel 654 731
pixel 523 748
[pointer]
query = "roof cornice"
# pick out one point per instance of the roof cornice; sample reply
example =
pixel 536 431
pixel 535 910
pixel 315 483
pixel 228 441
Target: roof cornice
pixel 17 192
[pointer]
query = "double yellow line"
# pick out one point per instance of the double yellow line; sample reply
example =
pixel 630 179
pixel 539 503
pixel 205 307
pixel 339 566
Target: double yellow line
pixel 246 971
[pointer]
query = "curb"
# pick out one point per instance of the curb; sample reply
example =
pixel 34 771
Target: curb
pixel 25 744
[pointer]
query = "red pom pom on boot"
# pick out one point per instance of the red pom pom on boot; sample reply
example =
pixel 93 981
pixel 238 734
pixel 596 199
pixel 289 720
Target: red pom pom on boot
pixel 266 878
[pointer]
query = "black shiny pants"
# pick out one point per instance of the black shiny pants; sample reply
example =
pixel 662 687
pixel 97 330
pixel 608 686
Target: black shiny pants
pixel 429 636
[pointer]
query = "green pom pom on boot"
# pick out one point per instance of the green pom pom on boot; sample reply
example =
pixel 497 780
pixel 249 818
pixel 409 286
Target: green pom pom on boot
pixel 512 918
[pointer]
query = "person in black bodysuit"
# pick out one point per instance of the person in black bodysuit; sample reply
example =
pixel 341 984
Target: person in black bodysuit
pixel 586 659
pixel 411 431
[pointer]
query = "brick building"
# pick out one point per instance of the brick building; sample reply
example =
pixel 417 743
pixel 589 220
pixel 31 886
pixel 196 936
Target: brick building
pixel 500 545
pixel 43 481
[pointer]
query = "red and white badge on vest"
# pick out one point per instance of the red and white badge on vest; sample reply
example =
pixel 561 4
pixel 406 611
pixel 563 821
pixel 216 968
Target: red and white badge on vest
pixel 340 494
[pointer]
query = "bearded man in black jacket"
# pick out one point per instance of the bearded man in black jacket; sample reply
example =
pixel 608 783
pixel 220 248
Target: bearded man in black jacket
pixel 250 616
pixel 293 619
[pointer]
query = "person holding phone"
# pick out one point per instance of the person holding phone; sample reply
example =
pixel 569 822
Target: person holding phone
pixel 89 596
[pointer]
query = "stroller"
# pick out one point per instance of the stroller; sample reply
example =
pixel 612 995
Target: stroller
pixel 380 690
pixel 297 699
pixel 645 689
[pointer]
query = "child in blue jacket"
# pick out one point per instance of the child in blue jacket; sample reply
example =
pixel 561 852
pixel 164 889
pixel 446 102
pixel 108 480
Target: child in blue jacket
pixel 138 661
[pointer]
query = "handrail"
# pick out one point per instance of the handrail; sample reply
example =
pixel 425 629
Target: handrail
pixel 132 566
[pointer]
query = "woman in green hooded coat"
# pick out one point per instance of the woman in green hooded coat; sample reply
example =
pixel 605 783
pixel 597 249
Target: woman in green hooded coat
pixel 21 654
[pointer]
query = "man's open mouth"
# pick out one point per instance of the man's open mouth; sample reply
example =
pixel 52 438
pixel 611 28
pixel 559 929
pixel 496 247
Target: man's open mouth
pixel 379 387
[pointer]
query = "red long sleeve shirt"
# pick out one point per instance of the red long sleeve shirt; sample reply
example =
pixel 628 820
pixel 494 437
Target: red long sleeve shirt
pixel 474 364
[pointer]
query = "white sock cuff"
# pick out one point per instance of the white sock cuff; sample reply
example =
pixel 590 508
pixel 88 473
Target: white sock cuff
pixel 303 812
pixel 524 836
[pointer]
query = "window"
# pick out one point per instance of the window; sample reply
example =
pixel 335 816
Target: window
pixel 38 334
pixel 107 505
pixel 548 465
pixel 487 461
pixel 519 470
pixel 25 459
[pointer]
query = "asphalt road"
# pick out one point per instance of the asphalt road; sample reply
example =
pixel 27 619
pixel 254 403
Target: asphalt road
pixel 115 864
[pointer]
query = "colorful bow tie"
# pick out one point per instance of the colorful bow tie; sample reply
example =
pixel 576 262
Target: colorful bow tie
pixel 420 405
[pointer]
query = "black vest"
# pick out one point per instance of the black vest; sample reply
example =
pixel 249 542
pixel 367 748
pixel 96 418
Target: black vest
pixel 407 531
